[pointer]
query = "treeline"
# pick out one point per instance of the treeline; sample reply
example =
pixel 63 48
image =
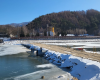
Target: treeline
pixel 65 22
pixel 19 31
pixel 77 22
pixel 14 31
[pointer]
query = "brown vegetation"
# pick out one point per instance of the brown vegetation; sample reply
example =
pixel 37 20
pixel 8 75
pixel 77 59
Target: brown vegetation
pixel 91 56
pixel 65 22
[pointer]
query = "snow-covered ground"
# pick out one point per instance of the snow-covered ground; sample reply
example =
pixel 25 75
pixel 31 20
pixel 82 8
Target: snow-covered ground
pixel 52 73
pixel 66 41
pixel 83 69
pixel 13 42
pixel 85 44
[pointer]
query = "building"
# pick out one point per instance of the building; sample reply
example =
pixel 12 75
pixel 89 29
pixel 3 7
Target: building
pixel 50 31
pixel 70 35
pixel 11 35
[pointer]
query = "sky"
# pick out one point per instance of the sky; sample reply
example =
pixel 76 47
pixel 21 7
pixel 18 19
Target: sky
pixel 18 11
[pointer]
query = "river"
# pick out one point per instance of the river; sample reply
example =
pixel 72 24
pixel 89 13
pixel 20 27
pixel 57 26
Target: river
pixel 17 64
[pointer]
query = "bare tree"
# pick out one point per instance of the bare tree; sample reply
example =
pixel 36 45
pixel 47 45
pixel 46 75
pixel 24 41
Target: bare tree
pixel 25 30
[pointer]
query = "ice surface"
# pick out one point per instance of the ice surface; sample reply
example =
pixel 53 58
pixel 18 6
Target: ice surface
pixel 13 49
pixel 83 69
pixel 45 66
pixel 50 74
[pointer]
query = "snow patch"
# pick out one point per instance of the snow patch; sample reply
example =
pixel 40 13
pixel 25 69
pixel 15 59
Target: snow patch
pixel 83 69
pixel 45 66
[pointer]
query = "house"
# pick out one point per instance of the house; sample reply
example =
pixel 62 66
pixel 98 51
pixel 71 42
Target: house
pixel 70 35
pixel 50 31
pixel 11 35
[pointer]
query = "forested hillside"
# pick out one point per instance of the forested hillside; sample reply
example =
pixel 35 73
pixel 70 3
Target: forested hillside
pixel 75 22
pixel 65 22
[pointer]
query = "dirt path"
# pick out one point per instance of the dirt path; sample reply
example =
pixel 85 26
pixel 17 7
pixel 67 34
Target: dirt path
pixel 91 56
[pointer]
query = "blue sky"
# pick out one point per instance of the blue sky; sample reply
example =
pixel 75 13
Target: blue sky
pixel 17 11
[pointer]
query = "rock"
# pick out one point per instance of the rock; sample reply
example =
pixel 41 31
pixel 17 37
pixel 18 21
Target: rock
pixel 74 78
pixel 42 77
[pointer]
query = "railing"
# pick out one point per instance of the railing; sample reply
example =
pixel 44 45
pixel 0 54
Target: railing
pixel 55 37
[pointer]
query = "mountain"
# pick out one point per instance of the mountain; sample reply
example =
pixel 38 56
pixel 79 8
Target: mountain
pixel 18 24
pixel 69 22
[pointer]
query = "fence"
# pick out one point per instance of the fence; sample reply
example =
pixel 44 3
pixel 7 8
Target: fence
pixel 56 37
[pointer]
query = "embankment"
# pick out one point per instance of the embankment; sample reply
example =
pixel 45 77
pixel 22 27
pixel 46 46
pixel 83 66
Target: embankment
pixel 82 54
pixel 81 66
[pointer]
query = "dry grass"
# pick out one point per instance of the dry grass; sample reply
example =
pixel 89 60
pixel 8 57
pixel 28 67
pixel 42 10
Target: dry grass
pixel 91 56
pixel 74 78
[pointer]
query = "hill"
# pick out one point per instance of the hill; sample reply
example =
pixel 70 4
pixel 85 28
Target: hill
pixel 18 24
pixel 14 29
pixel 74 22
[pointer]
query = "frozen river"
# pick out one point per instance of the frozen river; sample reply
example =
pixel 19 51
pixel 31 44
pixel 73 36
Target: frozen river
pixel 17 64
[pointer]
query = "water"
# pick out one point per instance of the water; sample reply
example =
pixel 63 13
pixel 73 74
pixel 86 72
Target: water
pixel 93 49
pixel 17 64
pixel 82 46
pixel 21 66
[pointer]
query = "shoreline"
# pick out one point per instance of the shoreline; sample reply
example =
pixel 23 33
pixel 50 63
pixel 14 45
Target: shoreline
pixel 82 54
pixel 75 62
pixel 82 67
pixel 52 74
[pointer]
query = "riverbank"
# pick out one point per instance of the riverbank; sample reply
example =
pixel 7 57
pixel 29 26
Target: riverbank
pixel 84 65
pixel 82 54
pixel 17 64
